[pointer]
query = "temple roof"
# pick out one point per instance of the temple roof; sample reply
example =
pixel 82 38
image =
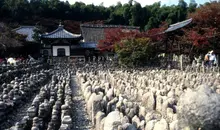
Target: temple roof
pixel 109 26
pixel 94 33
pixel 178 25
pixel 60 32
pixel 26 30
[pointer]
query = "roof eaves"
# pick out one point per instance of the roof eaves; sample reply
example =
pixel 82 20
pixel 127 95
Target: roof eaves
pixel 183 22
pixel 23 27
pixel 178 25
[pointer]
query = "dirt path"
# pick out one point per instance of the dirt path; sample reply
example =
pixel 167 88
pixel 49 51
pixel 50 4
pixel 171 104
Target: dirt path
pixel 81 119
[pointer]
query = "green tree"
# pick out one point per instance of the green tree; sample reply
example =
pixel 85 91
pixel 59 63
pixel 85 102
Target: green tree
pixel 1 5
pixel 116 17
pixel 192 6
pixel 9 39
pixel 135 52
pixel 77 8
pixel 136 14
pixel 152 20
pixel 181 10
pixel 126 13
pixel 17 8
pixel 140 16
pixel 37 7
pixel 38 30
pixel 153 23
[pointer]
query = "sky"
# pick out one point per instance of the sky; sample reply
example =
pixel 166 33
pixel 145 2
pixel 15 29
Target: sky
pixel 108 3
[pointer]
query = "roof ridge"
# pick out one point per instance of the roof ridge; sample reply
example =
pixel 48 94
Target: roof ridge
pixel 54 31
pixel 60 32
pixel 106 26
pixel 178 25
pixel 185 21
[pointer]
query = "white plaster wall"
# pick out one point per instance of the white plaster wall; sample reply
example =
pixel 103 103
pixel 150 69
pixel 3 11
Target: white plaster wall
pixel 67 50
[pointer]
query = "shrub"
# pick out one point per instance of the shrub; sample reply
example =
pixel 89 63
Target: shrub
pixel 135 52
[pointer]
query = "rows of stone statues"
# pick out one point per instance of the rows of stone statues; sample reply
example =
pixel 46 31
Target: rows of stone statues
pixel 19 91
pixel 51 109
pixel 151 99
pixel 10 74
pixel 116 98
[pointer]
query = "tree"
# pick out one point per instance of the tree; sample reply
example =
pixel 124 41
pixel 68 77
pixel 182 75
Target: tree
pixel 38 30
pixel 36 7
pixel 131 13
pixel 182 4
pixel 127 13
pixel 17 8
pixel 181 10
pixel 114 36
pixel 205 28
pixel 135 52
pixel 152 23
pixel 1 4
pixel 136 14
pixel 116 15
pixel 192 6
pixel 130 2
pixel 9 39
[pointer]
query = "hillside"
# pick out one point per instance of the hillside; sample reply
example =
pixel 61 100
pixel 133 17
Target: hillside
pixel 50 12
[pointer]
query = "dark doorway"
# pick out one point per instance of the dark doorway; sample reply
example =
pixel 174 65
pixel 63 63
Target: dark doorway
pixel 45 53
pixel 61 52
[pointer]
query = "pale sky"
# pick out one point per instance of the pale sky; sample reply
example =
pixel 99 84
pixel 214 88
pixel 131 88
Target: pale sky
pixel 108 3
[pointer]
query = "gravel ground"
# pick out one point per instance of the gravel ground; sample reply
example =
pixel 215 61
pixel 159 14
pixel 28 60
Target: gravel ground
pixel 80 118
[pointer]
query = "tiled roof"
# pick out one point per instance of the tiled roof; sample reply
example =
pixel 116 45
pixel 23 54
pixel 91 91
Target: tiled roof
pixel 95 33
pixel 109 26
pixel 26 30
pixel 60 32
pixel 178 25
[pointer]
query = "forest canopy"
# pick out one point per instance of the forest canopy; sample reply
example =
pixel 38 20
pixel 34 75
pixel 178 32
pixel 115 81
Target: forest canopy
pixel 131 13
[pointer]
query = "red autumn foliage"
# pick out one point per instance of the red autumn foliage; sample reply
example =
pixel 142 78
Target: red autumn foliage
pixel 116 35
pixel 207 16
pixel 205 24
pixel 198 39
pixel 156 34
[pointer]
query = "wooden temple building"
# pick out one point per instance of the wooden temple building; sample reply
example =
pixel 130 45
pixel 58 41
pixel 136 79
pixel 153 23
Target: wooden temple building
pixel 62 43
